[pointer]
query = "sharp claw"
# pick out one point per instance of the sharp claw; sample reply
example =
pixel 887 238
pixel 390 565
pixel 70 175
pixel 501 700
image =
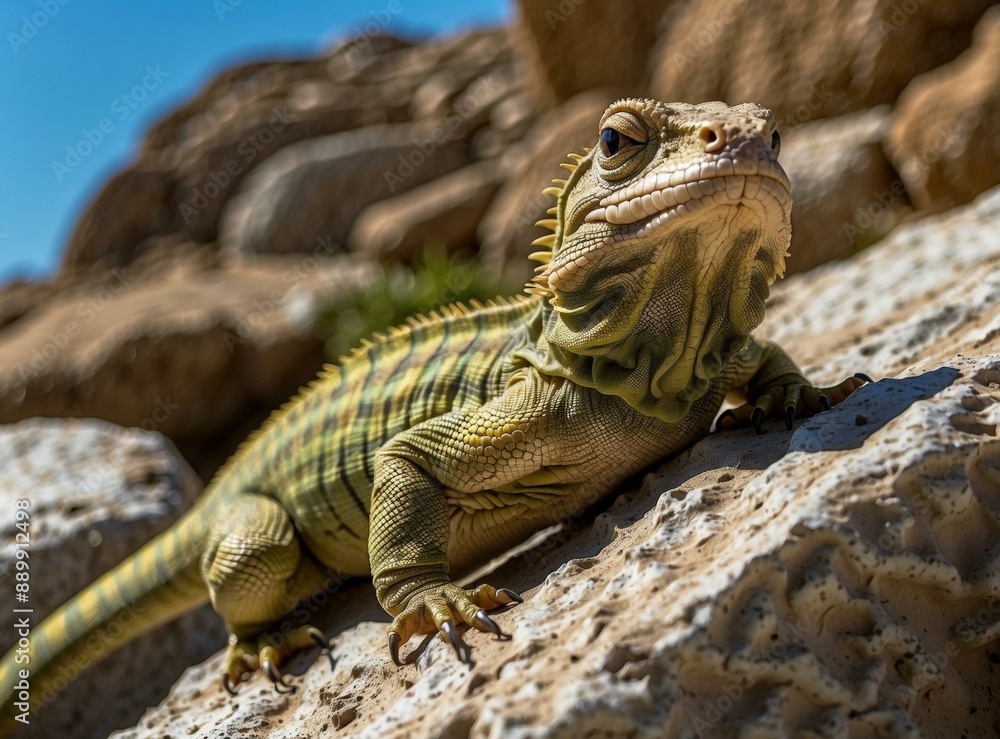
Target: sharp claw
pixel 825 402
pixel 507 592
pixel 323 644
pixel 863 376
pixel 277 679
pixel 394 649
pixel 228 685
pixel 789 416
pixel 489 624
pixel 726 414
pixel 757 418
pixel 317 636
pixel 448 629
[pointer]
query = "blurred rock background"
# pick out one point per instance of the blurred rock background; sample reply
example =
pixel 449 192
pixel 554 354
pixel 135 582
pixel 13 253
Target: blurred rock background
pixel 293 206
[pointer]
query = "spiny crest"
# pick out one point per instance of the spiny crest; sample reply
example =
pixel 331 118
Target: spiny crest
pixel 329 374
pixel 539 284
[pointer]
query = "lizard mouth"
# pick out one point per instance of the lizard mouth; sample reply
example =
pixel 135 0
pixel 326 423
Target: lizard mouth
pixel 662 197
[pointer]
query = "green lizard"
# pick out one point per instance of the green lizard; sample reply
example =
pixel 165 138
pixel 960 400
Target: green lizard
pixel 450 439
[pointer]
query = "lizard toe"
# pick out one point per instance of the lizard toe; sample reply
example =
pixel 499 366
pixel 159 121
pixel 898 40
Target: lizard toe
pixel 440 608
pixel 266 652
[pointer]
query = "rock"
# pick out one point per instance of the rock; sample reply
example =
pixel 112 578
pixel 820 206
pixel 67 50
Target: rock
pixel 199 352
pixel 214 170
pixel 838 577
pixel 96 493
pixel 134 205
pixel 192 162
pixel 312 192
pixel 569 46
pixel 442 214
pixel 945 136
pixel 508 228
pixel 806 62
pixel 846 194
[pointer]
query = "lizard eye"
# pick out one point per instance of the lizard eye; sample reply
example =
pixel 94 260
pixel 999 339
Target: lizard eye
pixel 775 143
pixel 613 141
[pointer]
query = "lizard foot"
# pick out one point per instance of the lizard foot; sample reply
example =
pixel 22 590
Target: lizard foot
pixel 267 652
pixel 794 399
pixel 439 608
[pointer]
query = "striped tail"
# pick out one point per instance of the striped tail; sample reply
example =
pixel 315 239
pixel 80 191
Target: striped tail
pixel 157 584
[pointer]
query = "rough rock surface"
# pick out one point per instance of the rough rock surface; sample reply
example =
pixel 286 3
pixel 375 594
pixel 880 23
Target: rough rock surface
pixel 846 194
pixel 96 492
pixel 806 61
pixel 149 344
pixel 839 578
pixel 945 137
pixel 442 215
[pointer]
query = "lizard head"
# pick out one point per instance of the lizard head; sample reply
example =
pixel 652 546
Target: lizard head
pixel 666 239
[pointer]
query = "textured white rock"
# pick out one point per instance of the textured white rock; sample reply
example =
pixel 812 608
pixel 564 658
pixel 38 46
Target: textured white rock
pixel 96 492
pixel 842 579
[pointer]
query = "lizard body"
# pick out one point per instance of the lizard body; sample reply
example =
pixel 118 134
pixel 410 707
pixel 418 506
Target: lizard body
pixel 446 441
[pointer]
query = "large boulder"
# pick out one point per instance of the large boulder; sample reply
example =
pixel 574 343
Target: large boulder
pixel 313 191
pixel 442 214
pixel 94 493
pixel 806 61
pixel 837 578
pixel 571 46
pixel 846 194
pixel 945 137
pixel 193 161
pixel 196 349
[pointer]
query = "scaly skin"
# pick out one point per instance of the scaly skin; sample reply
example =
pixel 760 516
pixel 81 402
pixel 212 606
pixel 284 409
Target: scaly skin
pixel 447 441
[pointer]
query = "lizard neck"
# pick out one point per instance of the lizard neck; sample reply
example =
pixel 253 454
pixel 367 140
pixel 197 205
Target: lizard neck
pixel 654 336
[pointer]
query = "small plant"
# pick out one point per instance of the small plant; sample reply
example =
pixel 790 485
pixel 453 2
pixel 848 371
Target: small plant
pixel 401 291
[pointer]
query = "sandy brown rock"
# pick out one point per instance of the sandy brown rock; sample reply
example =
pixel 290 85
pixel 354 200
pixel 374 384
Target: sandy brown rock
pixel 806 61
pixel 134 205
pixel 836 577
pixel 96 493
pixel 193 161
pixel 945 137
pixel 197 351
pixel 571 46
pixel 508 228
pixel 442 214
pixel 311 193
pixel 845 192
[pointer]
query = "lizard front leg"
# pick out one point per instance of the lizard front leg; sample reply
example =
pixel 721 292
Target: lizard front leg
pixel 774 382
pixel 467 453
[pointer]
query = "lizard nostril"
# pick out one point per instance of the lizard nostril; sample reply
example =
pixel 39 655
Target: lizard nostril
pixel 714 136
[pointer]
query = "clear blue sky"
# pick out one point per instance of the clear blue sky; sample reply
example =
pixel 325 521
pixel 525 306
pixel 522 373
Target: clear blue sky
pixel 64 65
